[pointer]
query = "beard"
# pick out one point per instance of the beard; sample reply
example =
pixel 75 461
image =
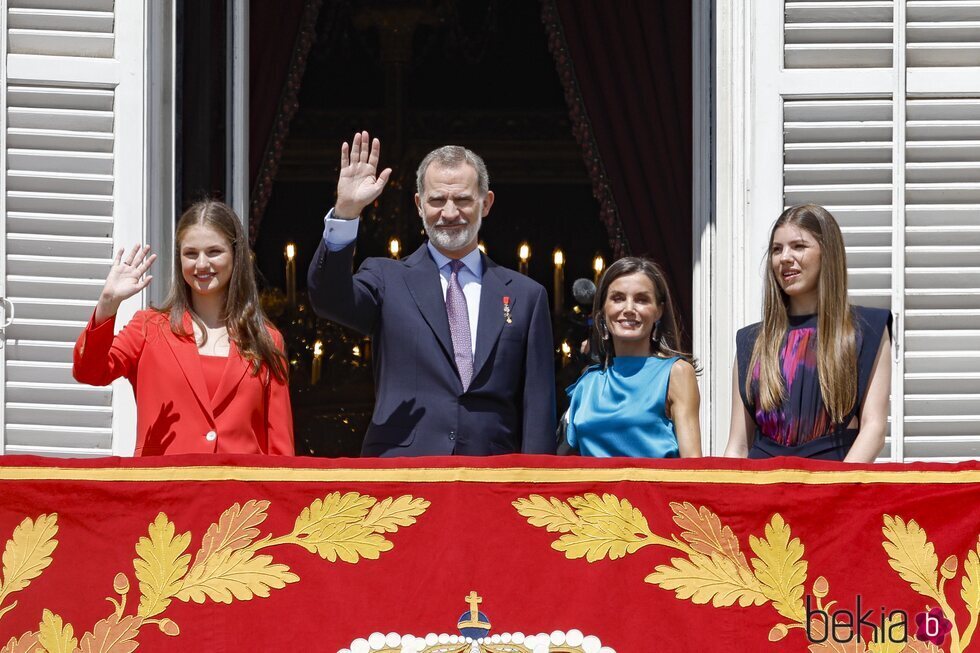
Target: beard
pixel 455 239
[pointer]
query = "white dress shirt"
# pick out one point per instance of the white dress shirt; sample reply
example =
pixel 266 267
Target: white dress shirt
pixel 338 234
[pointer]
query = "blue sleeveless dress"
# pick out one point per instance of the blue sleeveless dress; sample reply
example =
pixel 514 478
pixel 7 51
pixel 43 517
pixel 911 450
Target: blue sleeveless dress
pixel 621 411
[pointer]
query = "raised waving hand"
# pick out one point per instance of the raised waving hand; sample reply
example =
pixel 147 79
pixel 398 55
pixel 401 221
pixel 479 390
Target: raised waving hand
pixel 359 183
pixel 127 276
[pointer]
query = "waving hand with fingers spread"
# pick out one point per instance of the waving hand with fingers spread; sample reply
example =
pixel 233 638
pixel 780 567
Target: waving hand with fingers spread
pixel 359 183
pixel 127 276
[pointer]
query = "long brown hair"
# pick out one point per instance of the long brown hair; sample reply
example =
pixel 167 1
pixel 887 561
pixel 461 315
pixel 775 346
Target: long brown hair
pixel 836 344
pixel 666 337
pixel 242 314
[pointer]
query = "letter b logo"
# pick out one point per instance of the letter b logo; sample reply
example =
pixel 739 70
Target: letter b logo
pixel 932 625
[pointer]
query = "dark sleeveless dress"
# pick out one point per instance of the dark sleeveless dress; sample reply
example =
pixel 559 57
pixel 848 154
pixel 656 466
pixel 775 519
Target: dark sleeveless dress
pixel 802 426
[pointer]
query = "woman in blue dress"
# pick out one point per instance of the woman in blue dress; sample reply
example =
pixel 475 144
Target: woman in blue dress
pixel 812 379
pixel 641 399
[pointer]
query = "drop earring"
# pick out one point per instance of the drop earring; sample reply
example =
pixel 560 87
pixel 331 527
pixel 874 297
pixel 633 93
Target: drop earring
pixel 655 334
pixel 603 331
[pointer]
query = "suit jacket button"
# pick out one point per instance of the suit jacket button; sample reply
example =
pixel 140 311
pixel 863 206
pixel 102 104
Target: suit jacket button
pixel 211 436
pixel 452 435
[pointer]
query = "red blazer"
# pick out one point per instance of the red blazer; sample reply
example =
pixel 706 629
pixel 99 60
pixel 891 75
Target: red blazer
pixel 174 413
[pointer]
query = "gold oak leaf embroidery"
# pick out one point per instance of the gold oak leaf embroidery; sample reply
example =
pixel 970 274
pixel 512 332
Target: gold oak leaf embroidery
pixel 714 578
pixel 234 574
pixel 236 529
pixel 607 527
pixel 112 635
pixel 554 515
pixel 26 643
pixel 27 554
pixel 227 566
pixel 780 568
pixel 912 555
pixel 54 635
pixel 970 592
pixel 705 533
pixel 341 527
pixel 160 566
pixel 387 515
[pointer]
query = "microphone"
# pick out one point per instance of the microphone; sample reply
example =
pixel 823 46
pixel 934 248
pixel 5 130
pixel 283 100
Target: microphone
pixel 583 290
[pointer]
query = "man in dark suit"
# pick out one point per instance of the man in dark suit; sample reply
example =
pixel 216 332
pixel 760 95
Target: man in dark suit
pixel 463 358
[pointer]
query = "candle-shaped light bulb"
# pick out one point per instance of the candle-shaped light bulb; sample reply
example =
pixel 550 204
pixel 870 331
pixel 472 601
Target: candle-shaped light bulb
pixel 482 247
pixel 566 349
pixel 598 265
pixel 395 247
pixel 291 275
pixel 558 292
pixel 523 253
pixel 317 362
pixel 356 351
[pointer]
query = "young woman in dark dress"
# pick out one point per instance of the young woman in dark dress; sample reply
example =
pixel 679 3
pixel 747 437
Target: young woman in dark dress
pixel 813 378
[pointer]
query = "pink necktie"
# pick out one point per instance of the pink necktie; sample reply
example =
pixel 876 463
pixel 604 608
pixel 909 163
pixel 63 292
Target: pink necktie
pixel 459 324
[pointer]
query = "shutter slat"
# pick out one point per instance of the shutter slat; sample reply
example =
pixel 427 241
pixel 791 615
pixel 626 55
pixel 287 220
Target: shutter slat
pixel 55 393
pixel 59 224
pixel 59 161
pixel 58 266
pixel 39 245
pixel 60 19
pixel 38 350
pixel 61 183
pixel 30 202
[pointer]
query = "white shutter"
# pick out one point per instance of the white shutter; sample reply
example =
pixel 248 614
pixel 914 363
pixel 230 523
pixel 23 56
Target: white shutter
pixel 942 231
pixel 73 106
pixel 875 112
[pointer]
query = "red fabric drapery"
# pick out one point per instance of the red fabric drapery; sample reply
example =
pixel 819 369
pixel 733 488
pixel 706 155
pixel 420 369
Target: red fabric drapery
pixel 225 553
pixel 626 69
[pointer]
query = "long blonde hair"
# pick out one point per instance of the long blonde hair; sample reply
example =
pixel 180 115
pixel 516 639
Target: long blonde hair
pixel 836 341
pixel 242 314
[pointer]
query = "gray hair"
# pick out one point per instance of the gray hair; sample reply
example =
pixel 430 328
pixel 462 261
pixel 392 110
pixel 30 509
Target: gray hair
pixel 453 156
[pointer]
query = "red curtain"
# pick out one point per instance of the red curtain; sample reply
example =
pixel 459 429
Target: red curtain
pixel 628 66
pixel 280 37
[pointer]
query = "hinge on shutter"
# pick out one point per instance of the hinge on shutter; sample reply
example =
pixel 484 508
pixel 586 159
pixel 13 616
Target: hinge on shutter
pixel 8 311
pixel 896 338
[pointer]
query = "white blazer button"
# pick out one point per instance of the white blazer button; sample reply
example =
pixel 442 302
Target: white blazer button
pixel 211 436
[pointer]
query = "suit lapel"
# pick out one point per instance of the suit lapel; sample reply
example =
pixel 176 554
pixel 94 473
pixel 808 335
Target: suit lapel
pixel 422 279
pixel 492 292
pixel 189 361
pixel 235 370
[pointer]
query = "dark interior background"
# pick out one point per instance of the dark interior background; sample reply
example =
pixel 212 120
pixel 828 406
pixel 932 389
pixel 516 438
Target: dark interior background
pixel 417 74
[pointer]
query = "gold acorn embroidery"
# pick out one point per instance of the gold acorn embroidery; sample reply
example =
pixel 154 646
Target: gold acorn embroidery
pixel 713 569
pixel 227 567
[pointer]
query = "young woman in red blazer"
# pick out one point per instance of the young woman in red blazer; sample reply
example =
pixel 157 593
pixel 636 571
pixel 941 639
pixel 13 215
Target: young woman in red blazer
pixel 208 369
